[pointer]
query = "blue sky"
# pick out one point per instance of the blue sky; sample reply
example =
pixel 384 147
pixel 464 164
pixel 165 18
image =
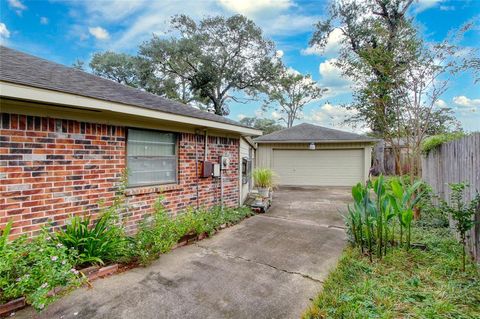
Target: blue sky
pixel 63 31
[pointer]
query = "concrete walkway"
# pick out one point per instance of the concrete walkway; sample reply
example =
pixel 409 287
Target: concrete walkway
pixel 268 266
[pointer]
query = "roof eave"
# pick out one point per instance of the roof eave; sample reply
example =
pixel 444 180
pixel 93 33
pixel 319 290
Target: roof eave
pixel 31 93
pixel 316 141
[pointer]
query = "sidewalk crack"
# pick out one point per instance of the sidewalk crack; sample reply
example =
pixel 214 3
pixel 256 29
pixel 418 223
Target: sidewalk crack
pixel 227 255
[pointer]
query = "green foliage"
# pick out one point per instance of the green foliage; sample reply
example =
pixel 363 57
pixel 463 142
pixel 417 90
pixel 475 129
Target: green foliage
pixel 159 234
pixel 413 284
pixel 118 67
pixel 267 126
pixel 289 92
pixel 215 56
pixel 97 242
pixel 4 235
pixel 155 236
pixel 371 220
pixel 462 213
pixel 33 267
pixel 263 177
pixel 435 141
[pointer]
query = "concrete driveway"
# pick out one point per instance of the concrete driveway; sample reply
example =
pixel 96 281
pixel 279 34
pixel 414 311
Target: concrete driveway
pixel 268 266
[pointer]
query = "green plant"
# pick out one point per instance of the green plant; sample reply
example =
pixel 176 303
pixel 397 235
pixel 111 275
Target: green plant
pixel 371 219
pixel 462 213
pixel 156 235
pixel 263 177
pixel 34 267
pixel 4 235
pixel 96 242
pixel 404 284
pixel 434 141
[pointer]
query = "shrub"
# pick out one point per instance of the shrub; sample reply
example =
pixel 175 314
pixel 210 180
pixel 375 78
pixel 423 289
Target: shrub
pixel 155 236
pixel 96 242
pixel 33 267
pixel 462 213
pixel 158 234
pixel 436 140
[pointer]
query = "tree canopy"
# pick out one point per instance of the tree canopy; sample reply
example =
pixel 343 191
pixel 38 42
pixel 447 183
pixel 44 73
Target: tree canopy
pixel 267 126
pixel 215 57
pixel 289 92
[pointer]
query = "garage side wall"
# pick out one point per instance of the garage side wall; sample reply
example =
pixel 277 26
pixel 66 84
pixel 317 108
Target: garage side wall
pixel 264 152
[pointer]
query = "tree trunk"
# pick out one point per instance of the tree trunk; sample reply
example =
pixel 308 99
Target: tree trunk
pixel 379 154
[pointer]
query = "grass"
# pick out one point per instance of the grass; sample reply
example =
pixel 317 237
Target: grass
pixel 405 284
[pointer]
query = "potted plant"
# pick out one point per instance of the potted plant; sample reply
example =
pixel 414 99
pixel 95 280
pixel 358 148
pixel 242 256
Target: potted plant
pixel 263 179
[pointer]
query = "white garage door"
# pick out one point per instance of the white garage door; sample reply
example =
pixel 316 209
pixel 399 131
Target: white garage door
pixel 319 167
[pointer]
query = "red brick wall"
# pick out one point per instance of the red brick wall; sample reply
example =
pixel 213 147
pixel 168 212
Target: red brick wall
pixel 51 169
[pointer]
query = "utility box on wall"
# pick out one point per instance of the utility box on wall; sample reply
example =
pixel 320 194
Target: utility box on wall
pixel 207 169
pixel 224 162
pixel 216 170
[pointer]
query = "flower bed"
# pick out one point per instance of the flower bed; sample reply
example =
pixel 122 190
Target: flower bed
pixel 39 270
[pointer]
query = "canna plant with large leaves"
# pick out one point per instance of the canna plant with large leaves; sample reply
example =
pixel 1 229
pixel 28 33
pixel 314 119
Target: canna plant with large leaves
pixel 371 221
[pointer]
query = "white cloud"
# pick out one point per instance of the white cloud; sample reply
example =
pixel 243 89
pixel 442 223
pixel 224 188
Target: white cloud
pixel 4 32
pixel 17 4
pixel 332 79
pixel 447 8
pixel 99 33
pixel 333 116
pixel 422 5
pixel 464 102
pixel 276 115
pixel 440 104
pixel 241 116
pixel 287 24
pixel 43 20
pixel 252 7
pixel 331 49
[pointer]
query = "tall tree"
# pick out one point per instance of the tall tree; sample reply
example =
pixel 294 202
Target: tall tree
pixel 216 57
pixel 289 92
pixel 267 126
pixel 118 67
pixel 377 42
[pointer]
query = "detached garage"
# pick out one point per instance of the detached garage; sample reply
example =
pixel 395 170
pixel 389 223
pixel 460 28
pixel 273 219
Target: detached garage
pixel 310 155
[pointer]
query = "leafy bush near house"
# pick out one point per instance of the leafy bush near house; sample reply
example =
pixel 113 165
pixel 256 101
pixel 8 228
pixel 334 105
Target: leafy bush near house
pixel 160 233
pixel 95 242
pixel 155 236
pixel 404 284
pixel 33 267
pixel 434 141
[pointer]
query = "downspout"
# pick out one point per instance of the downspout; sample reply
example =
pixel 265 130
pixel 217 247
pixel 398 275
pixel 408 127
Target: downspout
pixel 196 166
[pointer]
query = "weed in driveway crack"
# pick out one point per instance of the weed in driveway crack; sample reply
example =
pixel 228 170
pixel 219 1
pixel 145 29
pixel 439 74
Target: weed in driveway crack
pixel 224 254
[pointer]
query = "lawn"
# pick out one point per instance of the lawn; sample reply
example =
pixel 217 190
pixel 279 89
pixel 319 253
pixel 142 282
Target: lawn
pixel 404 284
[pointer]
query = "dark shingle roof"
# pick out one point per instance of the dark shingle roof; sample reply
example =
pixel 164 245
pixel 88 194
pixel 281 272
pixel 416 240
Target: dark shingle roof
pixel 21 68
pixel 310 133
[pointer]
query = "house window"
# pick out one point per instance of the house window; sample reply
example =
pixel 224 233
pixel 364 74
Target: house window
pixel 151 157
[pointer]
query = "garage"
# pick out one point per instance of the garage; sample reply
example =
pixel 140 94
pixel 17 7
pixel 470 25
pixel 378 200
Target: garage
pixel 319 167
pixel 311 155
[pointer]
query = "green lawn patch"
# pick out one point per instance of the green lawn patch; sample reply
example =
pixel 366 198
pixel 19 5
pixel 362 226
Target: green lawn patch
pixel 404 284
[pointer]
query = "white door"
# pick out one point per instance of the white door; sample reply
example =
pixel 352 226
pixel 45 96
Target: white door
pixel 319 167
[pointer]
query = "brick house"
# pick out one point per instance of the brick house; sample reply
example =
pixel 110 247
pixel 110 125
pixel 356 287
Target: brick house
pixel 66 138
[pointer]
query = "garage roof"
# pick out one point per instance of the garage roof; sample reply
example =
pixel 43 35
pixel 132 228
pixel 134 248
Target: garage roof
pixel 21 68
pixel 308 133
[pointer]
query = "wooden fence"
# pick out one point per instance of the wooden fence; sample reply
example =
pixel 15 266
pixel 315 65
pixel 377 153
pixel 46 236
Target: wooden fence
pixel 454 162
